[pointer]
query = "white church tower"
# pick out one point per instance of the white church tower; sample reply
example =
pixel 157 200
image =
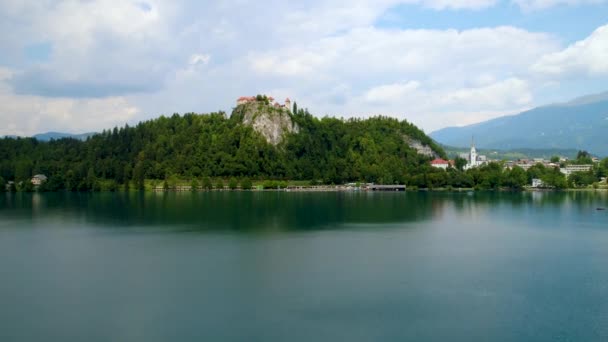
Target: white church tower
pixel 473 154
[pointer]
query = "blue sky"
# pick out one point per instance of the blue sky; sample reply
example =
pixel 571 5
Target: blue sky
pixel 80 66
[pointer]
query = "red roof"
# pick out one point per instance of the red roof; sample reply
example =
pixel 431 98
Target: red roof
pixel 439 161
pixel 248 98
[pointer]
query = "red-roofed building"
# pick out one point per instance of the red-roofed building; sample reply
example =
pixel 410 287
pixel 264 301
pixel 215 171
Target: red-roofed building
pixel 245 99
pixel 440 163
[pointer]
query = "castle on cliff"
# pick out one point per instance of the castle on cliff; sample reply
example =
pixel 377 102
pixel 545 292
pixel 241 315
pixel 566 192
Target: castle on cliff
pixel 263 98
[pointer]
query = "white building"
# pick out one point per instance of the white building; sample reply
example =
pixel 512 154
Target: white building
pixel 38 179
pixel 474 159
pixel 537 183
pixel 440 163
pixel 570 169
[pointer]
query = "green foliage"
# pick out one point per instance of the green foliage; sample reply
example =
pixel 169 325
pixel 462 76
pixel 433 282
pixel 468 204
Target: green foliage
pixel 270 184
pixel 219 184
pixel 214 146
pixel 233 184
pixel 582 179
pixel 2 184
pixel 207 185
pixel 460 163
pixel 194 184
pixel 246 184
pixel 583 157
pixel 515 178
pixel 555 159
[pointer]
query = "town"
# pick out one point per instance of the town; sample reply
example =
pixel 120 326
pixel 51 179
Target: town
pixel 566 167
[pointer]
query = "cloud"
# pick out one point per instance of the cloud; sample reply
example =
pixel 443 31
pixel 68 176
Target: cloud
pixel 49 83
pixel 390 92
pixel 199 59
pixel 131 60
pixel 448 106
pixel 529 5
pixel 585 57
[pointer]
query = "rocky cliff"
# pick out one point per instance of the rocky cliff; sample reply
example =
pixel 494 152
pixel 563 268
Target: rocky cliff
pixel 270 121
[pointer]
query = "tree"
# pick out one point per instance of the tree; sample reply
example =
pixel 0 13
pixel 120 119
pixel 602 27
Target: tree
pixel 194 184
pixel 460 163
pixel 219 184
pixel 583 157
pixel 138 175
pixel 246 184
pixel 207 185
pixel 2 184
pixel 516 178
pixel 295 107
pixel 91 179
pixel 233 184
pixel 555 159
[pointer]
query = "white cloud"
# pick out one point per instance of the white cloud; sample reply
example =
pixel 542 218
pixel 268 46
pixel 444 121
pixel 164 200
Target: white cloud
pixel 586 57
pixel 528 5
pixel 199 59
pixel 116 61
pixel 28 114
pixel 390 92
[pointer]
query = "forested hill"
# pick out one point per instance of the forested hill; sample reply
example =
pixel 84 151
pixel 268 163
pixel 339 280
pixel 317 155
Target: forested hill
pixel 217 145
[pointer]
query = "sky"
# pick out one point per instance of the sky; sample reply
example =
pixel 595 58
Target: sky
pixel 80 66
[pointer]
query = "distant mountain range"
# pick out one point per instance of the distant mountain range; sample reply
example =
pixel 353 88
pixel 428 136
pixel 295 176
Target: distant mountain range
pixel 58 135
pixel 581 124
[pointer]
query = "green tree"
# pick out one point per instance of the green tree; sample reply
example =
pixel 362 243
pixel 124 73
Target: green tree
pixel 246 184
pixel 194 184
pixel 2 184
pixel 555 159
pixel 516 178
pixel 219 184
pixel 207 185
pixel 91 179
pixel 460 163
pixel 233 183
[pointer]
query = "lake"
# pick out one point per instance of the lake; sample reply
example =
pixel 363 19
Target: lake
pixel 280 266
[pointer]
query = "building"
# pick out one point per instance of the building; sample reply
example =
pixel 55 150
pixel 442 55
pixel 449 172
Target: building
pixel 570 169
pixel 537 183
pixel 245 99
pixel 474 159
pixel 440 163
pixel 288 104
pixel 249 99
pixel 38 179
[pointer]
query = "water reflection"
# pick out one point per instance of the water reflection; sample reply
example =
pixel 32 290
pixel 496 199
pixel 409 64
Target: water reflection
pixel 291 211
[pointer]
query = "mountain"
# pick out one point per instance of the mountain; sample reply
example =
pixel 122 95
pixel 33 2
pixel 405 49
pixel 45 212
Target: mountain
pixel 58 135
pixel 580 124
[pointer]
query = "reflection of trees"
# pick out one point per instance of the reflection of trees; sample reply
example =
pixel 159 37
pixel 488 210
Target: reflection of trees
pixel 285 211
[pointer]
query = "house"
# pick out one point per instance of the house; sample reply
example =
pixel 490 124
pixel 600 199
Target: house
pixel 38 179
pixel 537 183
pixel 570 169
pixel 440 163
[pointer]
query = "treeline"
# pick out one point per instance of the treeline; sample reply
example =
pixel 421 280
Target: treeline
pixel 495 176
pixel 194 147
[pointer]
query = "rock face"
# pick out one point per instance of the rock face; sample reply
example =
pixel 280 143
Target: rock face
pixel 420 148
pixel 270 121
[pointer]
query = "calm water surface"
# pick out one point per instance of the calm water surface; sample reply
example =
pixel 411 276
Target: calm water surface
pixel 304 267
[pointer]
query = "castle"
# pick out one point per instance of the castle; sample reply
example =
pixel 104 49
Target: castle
pixel 249 99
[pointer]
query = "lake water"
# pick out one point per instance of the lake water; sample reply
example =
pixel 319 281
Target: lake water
pixel 282 266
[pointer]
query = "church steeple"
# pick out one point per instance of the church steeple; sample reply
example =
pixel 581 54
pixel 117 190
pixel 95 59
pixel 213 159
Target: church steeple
pixel 473 154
